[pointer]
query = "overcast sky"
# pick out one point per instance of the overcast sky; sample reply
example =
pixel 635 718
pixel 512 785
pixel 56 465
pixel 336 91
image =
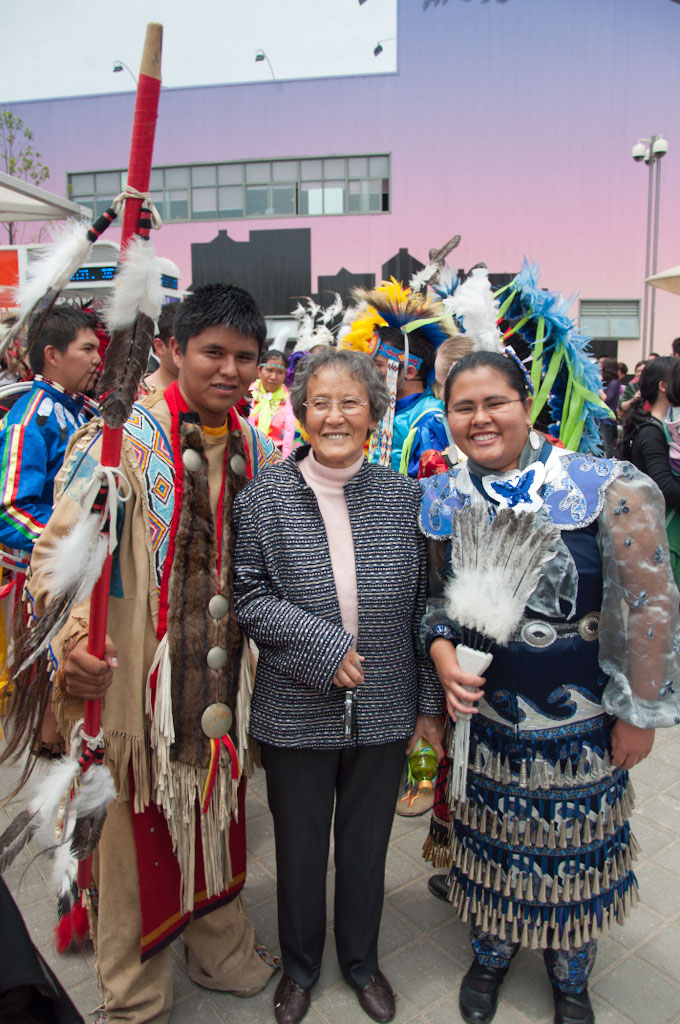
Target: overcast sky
pixel 68 48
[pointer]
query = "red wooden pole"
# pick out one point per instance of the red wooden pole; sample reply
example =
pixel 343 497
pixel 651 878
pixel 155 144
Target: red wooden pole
pixel 139 174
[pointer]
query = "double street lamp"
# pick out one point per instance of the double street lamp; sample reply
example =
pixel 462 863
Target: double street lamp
pixel 650 152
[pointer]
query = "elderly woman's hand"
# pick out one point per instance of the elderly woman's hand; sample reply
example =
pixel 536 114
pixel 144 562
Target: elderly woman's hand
pixel 350 673
pixel 630 745
pixel 454 680
pixel 431 729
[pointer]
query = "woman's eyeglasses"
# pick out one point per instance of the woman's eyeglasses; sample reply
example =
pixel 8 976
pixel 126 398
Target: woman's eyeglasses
pixel 489 405
pixel 347 406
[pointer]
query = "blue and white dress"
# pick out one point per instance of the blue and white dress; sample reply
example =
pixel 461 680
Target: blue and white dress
pixel 541 850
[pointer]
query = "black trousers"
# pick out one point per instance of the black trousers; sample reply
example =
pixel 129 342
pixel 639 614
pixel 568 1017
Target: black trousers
pixel 302 788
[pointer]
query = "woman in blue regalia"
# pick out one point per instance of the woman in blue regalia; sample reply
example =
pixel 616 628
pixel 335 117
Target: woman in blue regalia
pixel 541 850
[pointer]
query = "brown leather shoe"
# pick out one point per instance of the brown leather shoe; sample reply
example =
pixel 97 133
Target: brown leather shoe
pixel 290 1001
pixel 378 999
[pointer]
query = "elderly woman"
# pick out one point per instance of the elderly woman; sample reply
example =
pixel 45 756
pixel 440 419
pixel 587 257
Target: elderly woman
pixel 331 586
pixel 541 852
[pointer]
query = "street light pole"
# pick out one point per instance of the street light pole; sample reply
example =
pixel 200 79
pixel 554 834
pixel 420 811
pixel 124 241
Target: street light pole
pixel 650 150
pixel 648 256
pixel 657 195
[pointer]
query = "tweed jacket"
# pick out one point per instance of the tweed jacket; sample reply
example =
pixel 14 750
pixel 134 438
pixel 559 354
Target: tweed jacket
pixel 286 601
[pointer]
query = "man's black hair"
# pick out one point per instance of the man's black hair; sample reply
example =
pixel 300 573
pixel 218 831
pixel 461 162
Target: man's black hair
pixel 61 327
pixel 418 346
pixel 675 345
pixel 166 319
pixel 219 305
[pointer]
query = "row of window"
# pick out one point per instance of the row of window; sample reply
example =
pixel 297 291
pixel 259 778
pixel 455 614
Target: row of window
pixel 262 188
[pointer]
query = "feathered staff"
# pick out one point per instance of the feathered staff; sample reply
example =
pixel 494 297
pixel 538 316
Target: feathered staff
pixel 81 777
pixel 496 563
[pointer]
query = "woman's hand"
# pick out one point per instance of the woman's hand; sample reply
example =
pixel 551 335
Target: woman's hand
pixel 431 729
pixel 87 677
pixel 454 680
pixel 629 744
pixel 350 673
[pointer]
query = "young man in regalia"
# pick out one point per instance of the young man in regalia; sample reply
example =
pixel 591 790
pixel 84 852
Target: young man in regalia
pixel 176 679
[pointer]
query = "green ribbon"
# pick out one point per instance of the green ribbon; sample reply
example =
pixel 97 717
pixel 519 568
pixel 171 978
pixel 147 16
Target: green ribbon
pixel 548 381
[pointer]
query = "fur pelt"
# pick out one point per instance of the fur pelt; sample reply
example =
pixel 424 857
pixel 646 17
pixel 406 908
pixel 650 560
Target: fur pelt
pixel 193 581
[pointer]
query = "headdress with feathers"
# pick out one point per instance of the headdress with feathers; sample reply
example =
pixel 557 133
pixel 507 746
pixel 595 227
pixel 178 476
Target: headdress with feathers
pixel 393 305
pixel 317 324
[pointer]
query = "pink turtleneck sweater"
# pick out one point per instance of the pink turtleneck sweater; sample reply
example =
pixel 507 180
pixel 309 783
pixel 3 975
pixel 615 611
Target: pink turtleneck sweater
pixel 328 486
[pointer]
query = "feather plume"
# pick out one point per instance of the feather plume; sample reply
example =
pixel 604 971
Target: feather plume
pixel 333 310
pixel 15 837
pixel 138 287
pixel 51 271
pixel 56 265
pixel 437 258
pixel 280 339
pixel 390 304
pixel 473 304
pixel 497 564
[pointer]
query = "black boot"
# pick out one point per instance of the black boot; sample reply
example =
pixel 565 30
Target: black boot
pixel 479 992
pixel 573 1007
pixel 439 886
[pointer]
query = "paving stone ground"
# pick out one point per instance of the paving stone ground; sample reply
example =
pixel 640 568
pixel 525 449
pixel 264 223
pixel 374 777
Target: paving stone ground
pixel 424 948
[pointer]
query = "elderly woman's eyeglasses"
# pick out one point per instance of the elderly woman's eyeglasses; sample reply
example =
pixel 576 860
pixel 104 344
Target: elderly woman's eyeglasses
pixel 489 405
pixel 347 406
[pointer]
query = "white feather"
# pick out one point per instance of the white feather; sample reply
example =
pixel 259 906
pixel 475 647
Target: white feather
pixel 56 264
pixel 49 794
pixel 496 566
pixel 280 339
pixel 335 309
pixel 478 596
pixel 474 305
pixel 138 286
pixel 423 276
pixel 75 561
pixel 305 334
pixel 97 790
pixel 299 311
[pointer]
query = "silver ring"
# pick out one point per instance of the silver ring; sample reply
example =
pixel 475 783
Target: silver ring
pixel 538 634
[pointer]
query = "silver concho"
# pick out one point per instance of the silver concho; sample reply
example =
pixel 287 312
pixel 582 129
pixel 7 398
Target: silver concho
pixel 538 634
pixel 217 657
pixel 589 626
pixel 192 460
pixel 238 464
pixel 216 721
pixel 218 607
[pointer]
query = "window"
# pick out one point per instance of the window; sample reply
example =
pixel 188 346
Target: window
pixel 610 318
pixel 308 187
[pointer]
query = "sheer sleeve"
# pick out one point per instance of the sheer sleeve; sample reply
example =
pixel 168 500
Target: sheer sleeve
pixel 436 622
pixel 639 625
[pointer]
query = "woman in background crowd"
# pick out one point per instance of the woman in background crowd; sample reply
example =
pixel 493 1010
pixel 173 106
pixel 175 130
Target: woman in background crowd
pixel 645 443
pixel 271 410
pixel 611 393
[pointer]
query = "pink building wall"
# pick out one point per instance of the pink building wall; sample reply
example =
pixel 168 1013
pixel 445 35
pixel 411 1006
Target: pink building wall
pixel 509 124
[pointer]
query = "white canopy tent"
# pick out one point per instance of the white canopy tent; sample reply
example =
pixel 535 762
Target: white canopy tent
pixel 668 280
pixel 20 200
